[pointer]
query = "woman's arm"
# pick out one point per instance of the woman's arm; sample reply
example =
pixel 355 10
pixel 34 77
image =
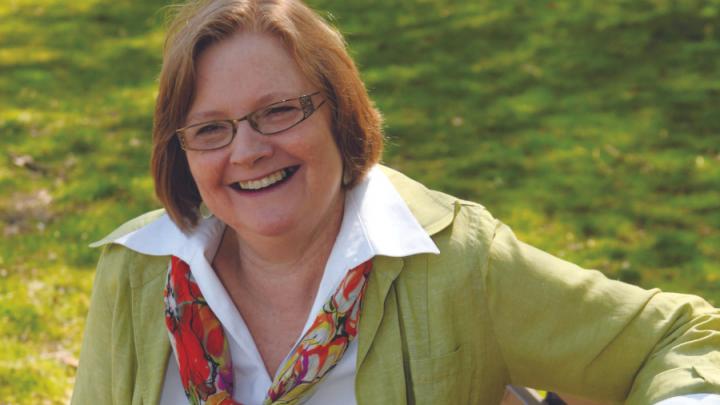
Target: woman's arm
pixel 572 330
pixel 99 380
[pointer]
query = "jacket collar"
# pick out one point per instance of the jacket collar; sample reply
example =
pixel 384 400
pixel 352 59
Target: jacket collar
pixel 433 210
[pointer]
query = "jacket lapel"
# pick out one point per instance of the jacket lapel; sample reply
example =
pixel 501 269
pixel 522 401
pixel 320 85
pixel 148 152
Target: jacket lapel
pixel 385 271
pixel 434 212
pixel 379 325
pixel 380 361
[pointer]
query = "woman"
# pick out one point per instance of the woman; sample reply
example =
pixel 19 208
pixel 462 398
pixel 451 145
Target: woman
pixel 288 267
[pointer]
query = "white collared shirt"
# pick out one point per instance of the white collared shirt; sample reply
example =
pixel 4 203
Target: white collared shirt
pixel 376 221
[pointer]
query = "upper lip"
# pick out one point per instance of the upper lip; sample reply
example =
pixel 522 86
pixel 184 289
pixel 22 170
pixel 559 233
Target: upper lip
pixel 261 176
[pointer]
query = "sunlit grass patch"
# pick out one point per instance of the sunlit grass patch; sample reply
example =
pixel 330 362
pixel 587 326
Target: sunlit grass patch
pixel 43 307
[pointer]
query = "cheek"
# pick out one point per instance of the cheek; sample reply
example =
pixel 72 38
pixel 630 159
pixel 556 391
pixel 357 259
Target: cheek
pixel 324 149
pixel 331 156
pixel 205 171
pixel 324 159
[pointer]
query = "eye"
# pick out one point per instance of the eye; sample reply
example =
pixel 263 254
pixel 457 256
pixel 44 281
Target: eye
pixel 279 110
pixel 210 128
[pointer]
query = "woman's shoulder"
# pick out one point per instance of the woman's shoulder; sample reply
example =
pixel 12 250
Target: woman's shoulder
pixel 121 267
pixel 437 211
pixel 129 227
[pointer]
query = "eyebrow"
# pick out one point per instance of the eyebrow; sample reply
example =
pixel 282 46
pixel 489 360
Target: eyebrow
pixel 265 100
pixel 203 116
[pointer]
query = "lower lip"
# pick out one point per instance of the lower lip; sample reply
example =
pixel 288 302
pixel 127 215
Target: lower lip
pixel 268 189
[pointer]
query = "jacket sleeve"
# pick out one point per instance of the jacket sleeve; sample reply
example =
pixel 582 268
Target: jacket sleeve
pixel 572 330
pixel 95 382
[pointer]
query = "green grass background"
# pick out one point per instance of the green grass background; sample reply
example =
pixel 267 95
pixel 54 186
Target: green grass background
pixel 590 127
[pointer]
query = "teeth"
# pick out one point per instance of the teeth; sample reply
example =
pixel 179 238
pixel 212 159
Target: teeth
pixel 264 182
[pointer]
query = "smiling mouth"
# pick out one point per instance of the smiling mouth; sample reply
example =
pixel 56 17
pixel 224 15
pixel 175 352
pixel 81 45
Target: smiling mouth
pixel 271 180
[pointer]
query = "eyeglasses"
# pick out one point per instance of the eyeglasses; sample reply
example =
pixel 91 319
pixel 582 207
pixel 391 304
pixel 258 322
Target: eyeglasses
pixel 269 120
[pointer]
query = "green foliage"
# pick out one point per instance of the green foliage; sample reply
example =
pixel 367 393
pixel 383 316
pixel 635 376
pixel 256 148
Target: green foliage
pixel 590 127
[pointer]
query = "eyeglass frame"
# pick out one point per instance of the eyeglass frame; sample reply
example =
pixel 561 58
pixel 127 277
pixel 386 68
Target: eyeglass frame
pixel 306 104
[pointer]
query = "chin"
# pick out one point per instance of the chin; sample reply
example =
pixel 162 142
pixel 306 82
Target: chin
pixel 266 229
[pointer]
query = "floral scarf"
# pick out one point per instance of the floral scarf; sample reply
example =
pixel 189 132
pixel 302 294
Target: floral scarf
pixel 203 355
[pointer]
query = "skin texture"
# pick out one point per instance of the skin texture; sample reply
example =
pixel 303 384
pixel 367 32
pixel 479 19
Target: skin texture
pixel 273 253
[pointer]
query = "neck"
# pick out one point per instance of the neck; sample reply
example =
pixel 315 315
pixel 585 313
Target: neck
pixel 289 265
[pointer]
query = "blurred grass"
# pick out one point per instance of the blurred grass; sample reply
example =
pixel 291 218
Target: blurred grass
pixel 591 128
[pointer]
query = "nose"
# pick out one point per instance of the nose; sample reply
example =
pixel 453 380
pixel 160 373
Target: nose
pixel 249 146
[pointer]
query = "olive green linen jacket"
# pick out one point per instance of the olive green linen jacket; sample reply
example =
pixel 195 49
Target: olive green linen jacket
pixel 452 328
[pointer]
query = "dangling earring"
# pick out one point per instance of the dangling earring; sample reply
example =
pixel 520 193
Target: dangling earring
pixel 204 211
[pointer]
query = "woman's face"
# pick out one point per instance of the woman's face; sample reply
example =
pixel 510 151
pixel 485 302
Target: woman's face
pixel 241 183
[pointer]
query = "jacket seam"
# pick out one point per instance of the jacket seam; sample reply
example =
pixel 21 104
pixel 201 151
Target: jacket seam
pixel 485 274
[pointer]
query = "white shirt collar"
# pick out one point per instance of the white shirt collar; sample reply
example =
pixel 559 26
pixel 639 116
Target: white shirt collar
pixel 376 222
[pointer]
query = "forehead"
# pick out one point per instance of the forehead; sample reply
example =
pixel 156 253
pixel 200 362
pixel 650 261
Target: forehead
pixel 244 71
